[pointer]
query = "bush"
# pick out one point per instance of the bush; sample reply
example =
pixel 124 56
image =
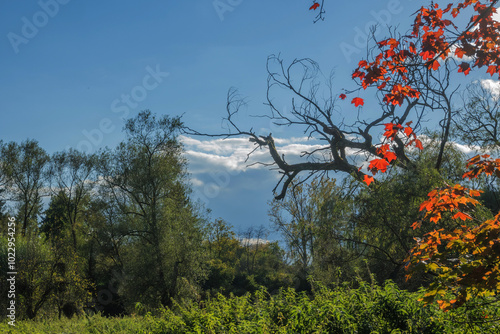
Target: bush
pixel 366 309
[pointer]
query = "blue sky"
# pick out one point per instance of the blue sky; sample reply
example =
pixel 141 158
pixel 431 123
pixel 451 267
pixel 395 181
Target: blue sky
pixel 72 69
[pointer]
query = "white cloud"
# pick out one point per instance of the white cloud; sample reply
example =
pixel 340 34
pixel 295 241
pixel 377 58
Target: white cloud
pixel 492 85
pixel 196 182
pixel 496 16
pixel 205 156
pixel 469 150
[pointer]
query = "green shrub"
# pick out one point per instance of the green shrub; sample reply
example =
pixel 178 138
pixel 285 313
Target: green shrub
pixel 366 309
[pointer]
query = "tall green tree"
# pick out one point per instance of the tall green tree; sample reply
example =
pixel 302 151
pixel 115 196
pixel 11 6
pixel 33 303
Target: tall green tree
pixel 72 178
pixel 146 176
pixel 24 166
pixel 315 220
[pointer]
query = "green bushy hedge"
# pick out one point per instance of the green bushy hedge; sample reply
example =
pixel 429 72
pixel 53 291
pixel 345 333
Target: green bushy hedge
pixel 367 309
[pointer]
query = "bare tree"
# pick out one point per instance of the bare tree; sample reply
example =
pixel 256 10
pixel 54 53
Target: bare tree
pixel 479 121
pixel 294 218
pixel 345 141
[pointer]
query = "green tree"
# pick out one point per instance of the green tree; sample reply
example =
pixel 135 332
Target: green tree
pixel 315 220
pixel 294 218
pixel 24 166
pixel 3 184
pixel 48 277
pixel 223 248
pixel 145 175
pixel 262 263
pixel 72 177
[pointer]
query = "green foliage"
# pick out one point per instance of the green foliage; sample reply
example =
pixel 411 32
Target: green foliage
pixel 242 265
pixel 367 309
pixel 47 278
pixel 338 231
pixel 151 227
pixel 24 167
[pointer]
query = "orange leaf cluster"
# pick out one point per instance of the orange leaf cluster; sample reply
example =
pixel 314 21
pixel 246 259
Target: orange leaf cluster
pixel 478 166
pixel 448 199
pixel 434 37
pixel 465 260
pixel 386 156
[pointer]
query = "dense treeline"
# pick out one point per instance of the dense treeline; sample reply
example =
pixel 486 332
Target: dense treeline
pixel 109 231
pixel 102 232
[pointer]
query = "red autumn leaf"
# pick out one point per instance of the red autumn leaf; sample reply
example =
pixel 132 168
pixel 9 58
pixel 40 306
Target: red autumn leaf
pixel 492 69
pixel 465 68
pixel 368 179
pixel 408 131
pixel 416 225
pixel 435 218
pixel 412 48
pixel 475 193
pixel 390 156
pixel 459 52
pixel 342 96
pixel 418 144
pixel 357 101
pixel 383 149
pixel 378 165
pixel 391 130
pixel 462 216
pixel 314 6
pixel 434 65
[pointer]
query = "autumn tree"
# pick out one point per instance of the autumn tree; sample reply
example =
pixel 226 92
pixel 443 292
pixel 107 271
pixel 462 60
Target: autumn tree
pixel 463 258
pixel 412 74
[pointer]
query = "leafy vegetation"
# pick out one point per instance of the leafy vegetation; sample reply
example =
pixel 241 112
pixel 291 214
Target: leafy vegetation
pixel 121 235
pixel 366 309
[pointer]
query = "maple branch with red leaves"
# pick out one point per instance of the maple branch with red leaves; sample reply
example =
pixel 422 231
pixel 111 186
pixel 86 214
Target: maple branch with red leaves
pixel 321 12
